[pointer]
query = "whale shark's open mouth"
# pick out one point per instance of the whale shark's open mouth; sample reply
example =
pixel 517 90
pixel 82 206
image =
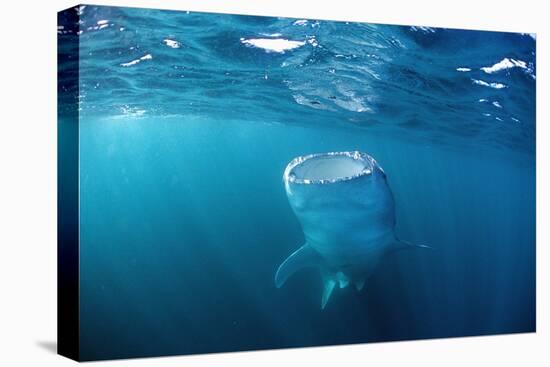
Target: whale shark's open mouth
pixel 328 167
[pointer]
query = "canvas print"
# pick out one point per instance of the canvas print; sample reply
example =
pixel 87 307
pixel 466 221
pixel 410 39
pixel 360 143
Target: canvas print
pixel 236 183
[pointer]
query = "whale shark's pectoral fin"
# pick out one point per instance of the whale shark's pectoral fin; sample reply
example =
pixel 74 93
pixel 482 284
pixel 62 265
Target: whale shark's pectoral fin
pixel 404 245
pixel 304 257
pixel 327 291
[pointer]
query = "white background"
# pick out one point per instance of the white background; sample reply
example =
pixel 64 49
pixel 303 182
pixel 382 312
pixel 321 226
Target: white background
pixel 28 183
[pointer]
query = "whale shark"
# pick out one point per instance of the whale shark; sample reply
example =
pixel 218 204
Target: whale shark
pixel 347 213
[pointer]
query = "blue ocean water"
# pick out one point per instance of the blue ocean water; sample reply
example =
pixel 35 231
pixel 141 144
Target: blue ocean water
pixel 187 121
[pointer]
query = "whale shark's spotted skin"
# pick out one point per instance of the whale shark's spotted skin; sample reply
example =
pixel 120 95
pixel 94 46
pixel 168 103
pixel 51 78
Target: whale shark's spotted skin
pixel 347 212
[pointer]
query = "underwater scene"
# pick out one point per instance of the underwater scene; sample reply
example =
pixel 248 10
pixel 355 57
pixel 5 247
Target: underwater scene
pixel 252 182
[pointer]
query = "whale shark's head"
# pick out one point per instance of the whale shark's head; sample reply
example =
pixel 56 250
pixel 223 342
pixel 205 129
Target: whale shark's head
pixel 340 199
pixel 332 178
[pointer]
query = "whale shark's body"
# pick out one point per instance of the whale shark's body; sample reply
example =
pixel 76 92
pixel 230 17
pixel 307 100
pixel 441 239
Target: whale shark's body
pixel 347 213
